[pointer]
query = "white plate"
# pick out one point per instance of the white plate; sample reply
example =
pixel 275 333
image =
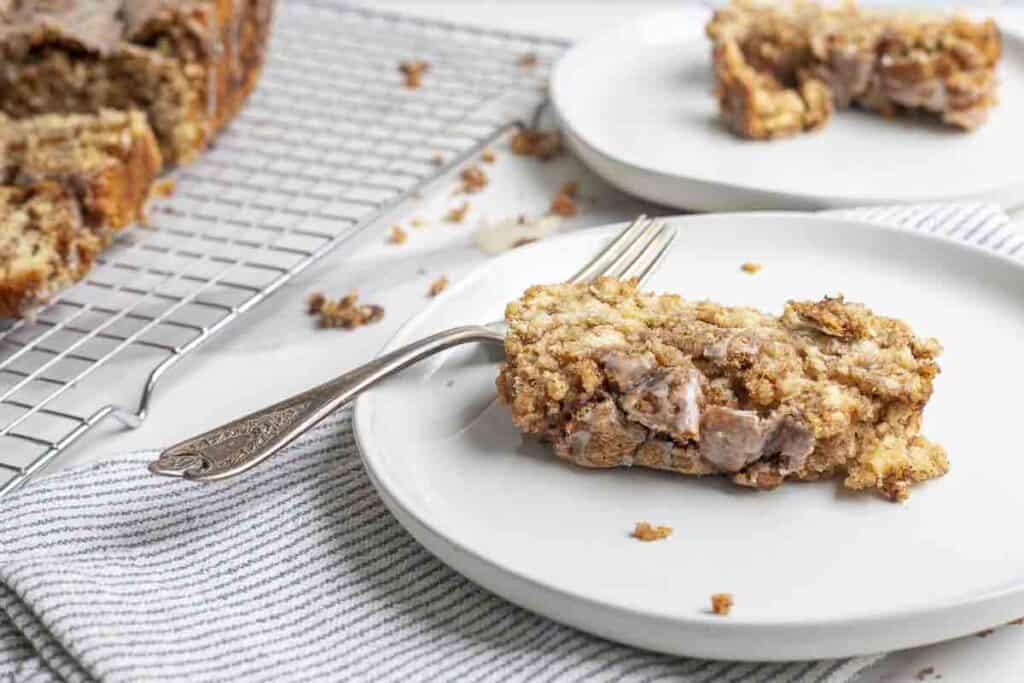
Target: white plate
pixel 636 105
pixel 816 571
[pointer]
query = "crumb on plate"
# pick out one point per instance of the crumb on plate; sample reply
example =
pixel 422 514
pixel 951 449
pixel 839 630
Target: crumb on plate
pixel 418 222
pixel 721 603
pixel 924 673
pixel 396 235
pixel 644 531
pixel 528 59
pixel 413 71
pixel 751 267
pixel 985 633
pixel 456 214
pixel 488 156
pixel 438 286
pixel 437 159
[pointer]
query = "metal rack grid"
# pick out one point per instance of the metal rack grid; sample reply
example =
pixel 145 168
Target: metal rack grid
pixel 329 143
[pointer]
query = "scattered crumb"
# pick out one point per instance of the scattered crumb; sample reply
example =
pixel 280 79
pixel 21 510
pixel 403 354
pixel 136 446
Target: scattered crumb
pixel 721 603
pixel 488 156
pixel 314 302
pixel 413 71
pixel 533 142
pixel 986 633
pixel 1018 622
pixel 418 222
pixel 529 59
pixel 396 235
pixel 437 286
pixel 457 213
pixel 344 312
pixel 437 159
pixel 450 383
pixel 473 179
pixel 162 188
pixel 924 673
pixel 497 237
pixel 564 203
pixel 643 531
pixel 752 268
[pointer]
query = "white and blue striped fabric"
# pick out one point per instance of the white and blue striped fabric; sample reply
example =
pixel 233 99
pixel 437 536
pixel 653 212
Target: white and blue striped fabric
pixel 298 572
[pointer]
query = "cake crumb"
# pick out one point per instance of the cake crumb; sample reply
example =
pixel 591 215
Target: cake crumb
pixel 1018 622
pixel 527 60
pixel 162 188
pixel 344 312
pixel 644 531
pixel 488 156
pixel 751 267
pixel 438 286
pixel 473 179
pixel 533 142
pixel 985 633
pixel 314 302
pixel 418 222
pixel 564 203
pixel 456 214
pixel 396 235
pixel 437 159
pixel 413 71
pixel 721 603
pixel 925 673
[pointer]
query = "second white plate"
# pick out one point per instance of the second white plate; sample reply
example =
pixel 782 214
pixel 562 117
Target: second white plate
pixel 636 104
pixel 817 571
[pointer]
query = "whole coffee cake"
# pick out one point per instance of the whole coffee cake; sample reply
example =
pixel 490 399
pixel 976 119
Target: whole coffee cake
pixel 95 95
pixel 188 64
pixel 615 377
pixel 782 67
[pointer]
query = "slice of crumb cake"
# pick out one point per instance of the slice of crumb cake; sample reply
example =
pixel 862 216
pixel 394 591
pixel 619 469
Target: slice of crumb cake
pixel 67 183
pixel 780 67
pixel 616 377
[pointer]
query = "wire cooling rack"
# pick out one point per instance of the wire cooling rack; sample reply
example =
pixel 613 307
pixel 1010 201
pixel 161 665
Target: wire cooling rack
pixel 329 143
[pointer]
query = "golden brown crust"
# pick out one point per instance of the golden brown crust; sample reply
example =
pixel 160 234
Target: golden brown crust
pixel 72 181
pixel 615 377
pixel 189 65
pixel 780 68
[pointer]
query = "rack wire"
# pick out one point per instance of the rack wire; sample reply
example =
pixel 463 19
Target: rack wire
pixel 329 143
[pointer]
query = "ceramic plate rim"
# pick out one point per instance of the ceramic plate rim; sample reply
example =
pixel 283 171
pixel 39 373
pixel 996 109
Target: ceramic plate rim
pixel 433 536
pixel 767 197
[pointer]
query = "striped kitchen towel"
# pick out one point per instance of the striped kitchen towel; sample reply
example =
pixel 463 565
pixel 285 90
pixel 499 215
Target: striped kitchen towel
pixel 298 572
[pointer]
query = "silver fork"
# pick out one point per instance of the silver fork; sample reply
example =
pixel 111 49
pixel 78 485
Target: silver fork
pixel 247 441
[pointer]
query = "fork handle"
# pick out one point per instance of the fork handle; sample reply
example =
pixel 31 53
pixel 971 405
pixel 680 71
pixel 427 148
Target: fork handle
pixel 247 441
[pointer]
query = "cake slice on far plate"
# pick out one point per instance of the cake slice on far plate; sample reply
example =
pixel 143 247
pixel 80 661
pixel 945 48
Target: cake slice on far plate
pixel 616 377
pixel 781 67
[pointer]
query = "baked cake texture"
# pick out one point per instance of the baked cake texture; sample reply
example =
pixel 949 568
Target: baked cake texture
pixel 95 96
pixel 67 183
pixel 782 67
pixel 188 64
pixel 616 377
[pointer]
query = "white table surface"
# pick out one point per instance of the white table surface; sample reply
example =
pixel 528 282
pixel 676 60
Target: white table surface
pixel 276 350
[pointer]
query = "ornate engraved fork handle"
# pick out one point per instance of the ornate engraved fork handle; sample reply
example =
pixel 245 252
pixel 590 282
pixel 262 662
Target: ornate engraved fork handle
pixel 243 443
